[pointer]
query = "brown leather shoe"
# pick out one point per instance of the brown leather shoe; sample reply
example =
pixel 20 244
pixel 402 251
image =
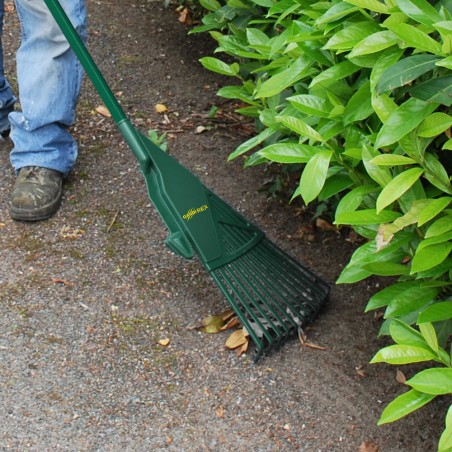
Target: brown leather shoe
pixel 37 194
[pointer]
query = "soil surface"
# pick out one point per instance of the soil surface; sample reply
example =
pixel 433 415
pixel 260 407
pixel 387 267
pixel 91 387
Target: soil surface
pixel 87 296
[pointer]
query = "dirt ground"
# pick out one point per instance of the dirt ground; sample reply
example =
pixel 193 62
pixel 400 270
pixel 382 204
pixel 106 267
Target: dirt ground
pixel 87 296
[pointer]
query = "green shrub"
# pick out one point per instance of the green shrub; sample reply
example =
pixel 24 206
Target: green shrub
pixel 359 93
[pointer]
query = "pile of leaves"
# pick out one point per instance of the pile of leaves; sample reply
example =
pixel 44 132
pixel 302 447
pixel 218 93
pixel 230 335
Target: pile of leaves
pixel 358 95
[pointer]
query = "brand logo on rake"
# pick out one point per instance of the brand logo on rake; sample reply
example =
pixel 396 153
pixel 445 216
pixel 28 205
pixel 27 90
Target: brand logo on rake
pixel 192 212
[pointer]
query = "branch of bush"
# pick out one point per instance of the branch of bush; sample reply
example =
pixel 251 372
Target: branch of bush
pixel 359 93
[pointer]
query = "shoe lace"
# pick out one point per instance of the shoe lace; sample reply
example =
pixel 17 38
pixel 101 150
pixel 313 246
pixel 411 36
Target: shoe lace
pixel 31 174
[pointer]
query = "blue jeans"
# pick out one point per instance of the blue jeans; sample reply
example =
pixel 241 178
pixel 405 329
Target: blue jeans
pixel 49 78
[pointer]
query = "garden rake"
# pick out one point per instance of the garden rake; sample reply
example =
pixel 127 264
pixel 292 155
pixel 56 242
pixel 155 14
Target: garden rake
pixel 272 294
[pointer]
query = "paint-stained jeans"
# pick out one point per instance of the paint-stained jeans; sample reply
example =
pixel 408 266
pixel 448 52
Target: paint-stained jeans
pixel 49 78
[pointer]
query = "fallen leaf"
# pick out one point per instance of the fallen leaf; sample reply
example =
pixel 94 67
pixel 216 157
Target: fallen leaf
pixel 211 324
pixel 70 233
pixel 2 225
pixel 236 339
pixel 360 371
pixel 368 446
pixel 160 108
pixel 103 110
pixel 220 412
pixel 61 281
pixel 325 226
pixel 184 16
pixel 226 315
pixel 400 376
pixel 164 342
pixel 243 348
pixel 232 323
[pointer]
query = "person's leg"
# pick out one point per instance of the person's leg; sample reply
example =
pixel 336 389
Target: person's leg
pixel 7 98
pixel 49 76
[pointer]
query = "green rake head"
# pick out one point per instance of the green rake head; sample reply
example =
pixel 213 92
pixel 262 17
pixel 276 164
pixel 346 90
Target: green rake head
pixel 272 294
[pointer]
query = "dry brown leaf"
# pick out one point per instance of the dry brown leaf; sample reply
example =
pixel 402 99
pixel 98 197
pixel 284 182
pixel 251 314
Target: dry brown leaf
pixel 70 233
pixel 360 372
pixel 236 339
pixel 400 376
pixel 61 281
pixel 243 348
pixel 160 108
pixel 325 226
pixel 232 323
pixel 2 225
pixel 103 110
pixel 220 412
pixel 368 446
pixel 184 17
pixel 226 315
pixel 164 342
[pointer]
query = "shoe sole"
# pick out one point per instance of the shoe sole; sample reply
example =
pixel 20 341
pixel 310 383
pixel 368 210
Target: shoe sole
pixel 44 213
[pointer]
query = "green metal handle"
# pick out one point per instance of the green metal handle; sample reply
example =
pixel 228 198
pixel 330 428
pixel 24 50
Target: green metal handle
pixel 93 72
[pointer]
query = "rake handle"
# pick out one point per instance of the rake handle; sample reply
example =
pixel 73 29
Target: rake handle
pixel 78 47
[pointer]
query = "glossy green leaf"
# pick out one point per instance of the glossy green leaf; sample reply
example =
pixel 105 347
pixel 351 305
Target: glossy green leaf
pixel 429 334
pixel 367 253
pixel 434 124
pixel 210 5
pixel 430 256
pixel 347 37
pixel 334 185
pixel 432 209
pixel 403 120
pixel 383 106
pixel 299 126
pixel 311 105
pixel 445 441
pixel 314 175
pixel 434 381
pixel 279 82
pixel 372 5
pixel 419 10
pixel 388 294
pixel 220 67
pixel 365 217
pixel 380 175
pixel 438 90
pixel 403 354
pixel 405 71
pixel 386 269
pixel 412 36
pixel 334 73
pixel 392 160
pixel 251 143
pixel 374 43
pixel 288 152
pixel 436 312
pixel 359 107
pixel 397 187
pixel 410 301
pixel 404 404
pixel 440 226
pixel 352 200
pixel 446 62
pixel 404 334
